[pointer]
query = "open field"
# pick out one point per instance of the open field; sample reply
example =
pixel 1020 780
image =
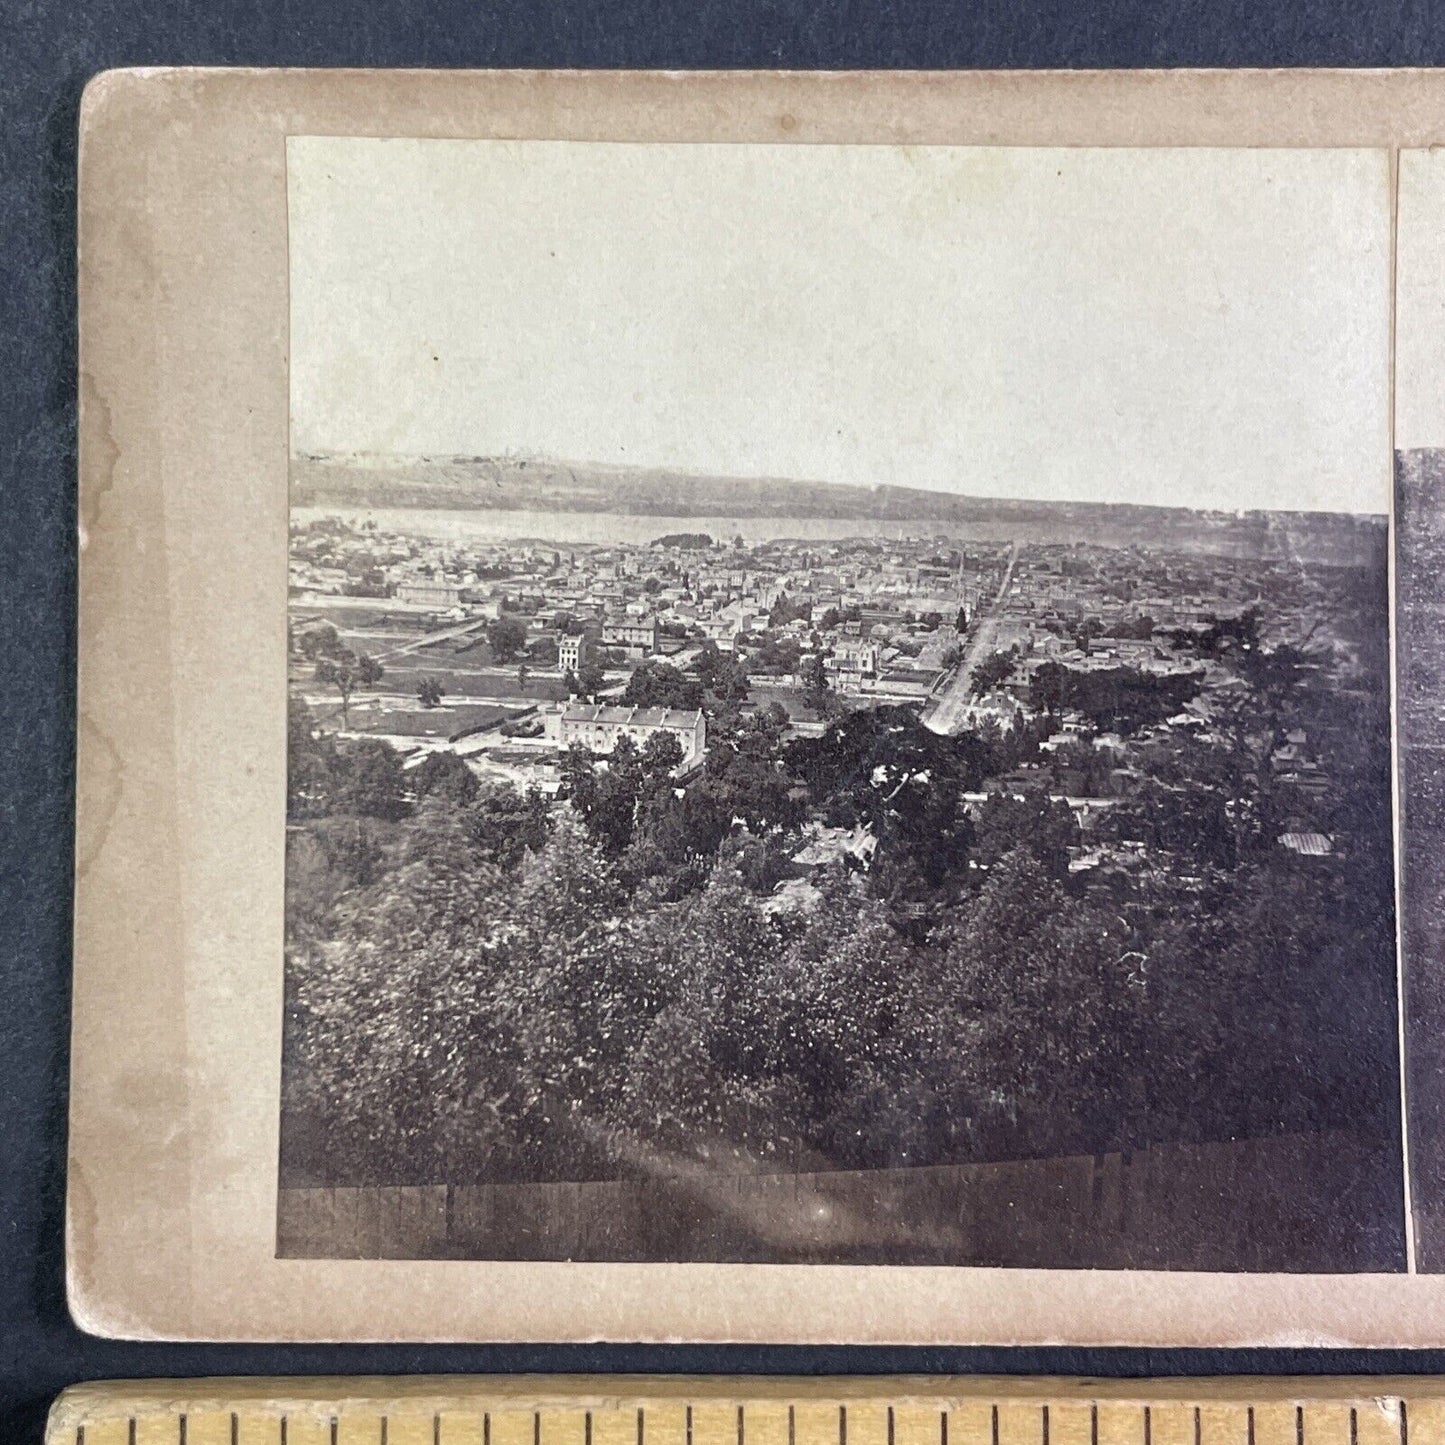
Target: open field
pixel 435 722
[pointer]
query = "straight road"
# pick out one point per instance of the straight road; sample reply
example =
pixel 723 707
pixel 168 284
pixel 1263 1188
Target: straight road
pixel 948 712
pixel 430 639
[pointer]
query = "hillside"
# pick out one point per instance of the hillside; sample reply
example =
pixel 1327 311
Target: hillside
pixel 543 485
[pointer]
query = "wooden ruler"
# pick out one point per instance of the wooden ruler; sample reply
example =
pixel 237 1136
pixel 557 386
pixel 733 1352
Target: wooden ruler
pixel 638 1410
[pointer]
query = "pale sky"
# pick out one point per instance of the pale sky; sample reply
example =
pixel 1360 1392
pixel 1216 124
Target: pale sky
pixel 1190 327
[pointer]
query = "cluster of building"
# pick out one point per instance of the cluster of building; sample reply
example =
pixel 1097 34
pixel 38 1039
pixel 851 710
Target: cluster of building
pixel 882 615
pixel 890 621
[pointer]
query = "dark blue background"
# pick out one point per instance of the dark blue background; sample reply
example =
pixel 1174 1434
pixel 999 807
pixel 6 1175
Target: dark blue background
pixel 47 52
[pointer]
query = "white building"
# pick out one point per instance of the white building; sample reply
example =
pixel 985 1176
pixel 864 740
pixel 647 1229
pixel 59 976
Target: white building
pixel 573 653
pixel 598 727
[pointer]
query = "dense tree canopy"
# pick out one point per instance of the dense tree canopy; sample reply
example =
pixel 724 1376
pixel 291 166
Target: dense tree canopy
pixel 655 683
pixel 609 983
pixel 1118 699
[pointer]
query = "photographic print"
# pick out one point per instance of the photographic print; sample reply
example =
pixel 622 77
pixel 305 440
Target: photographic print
pixel 839 707
pixel 1419 520
pixel 832 700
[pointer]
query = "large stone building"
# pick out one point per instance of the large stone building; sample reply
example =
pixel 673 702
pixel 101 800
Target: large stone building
pixel 598 727
pixel 430 592
pixel 636 634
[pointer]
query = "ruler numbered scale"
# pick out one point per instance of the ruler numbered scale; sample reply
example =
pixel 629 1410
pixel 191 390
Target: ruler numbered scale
pixel 692 1411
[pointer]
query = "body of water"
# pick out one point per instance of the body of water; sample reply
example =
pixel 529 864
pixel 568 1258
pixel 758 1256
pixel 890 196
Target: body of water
pixel 610 528
pixel 1184 531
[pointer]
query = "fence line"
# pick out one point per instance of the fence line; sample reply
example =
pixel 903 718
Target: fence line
pixel 1320 1202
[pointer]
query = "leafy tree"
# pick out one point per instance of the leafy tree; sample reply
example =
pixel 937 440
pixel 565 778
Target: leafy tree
pixel 310 764
pixel 1124 699
pixel 577 773
pixel 655 683
pixel 1085 632
pixel 722 674
pixel 345 671
pixel 817 691
pixel 1028 963
pixel 777 655
pixel 429 691
pixel 321 640
pixel 1041 826
pixel 787 609
pixel 997 667
pixel 748 782
pixel 882 769
pixel 506 637
pixel 370 780
pixel 773 719
pixel 443 774
pixel 505 825
pixel 587 682
pixel 662 754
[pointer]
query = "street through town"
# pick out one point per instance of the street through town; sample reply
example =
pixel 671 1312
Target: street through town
pixel 948 713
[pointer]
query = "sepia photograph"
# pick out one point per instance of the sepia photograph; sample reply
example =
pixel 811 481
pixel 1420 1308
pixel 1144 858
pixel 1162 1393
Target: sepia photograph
pixel 839 706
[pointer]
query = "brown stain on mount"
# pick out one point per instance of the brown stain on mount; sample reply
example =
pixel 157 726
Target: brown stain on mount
pixel 101 455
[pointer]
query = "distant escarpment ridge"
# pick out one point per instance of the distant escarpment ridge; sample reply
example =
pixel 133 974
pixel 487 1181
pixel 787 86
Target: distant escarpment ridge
pixel 542 485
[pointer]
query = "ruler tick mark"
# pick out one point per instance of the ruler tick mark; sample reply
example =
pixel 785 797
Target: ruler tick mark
pixel 1299 1425
pixel 1198 1427
pixel 994 1435
pixel 639 1426
pixel 1044 1425
pixel 890 1425
pixel 181 1436
pixel 1093 1422
pixel 1249 1418
pixel 942 1428
pixel 536 1427
pixel 1404 1425
pixel 842 1425
pixel 1354 1426
pixel 792 1427
pixel 1148 1426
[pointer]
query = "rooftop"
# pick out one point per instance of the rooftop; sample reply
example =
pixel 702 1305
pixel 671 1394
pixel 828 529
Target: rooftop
pixel 675 717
